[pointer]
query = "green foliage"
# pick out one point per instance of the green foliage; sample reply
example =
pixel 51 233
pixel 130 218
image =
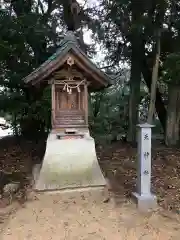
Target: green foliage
pixel 37 116
pixel 30 31
pixel 109 109
pixel 27 39
pixel 30 118
pixel 172 69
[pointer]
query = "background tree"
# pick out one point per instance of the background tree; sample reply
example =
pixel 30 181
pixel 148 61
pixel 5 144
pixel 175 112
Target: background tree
pixel 171 76
pixel 116 35
pixel 32 30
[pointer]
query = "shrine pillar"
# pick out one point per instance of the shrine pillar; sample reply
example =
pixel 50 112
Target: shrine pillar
pixel 86 102
pixel 52 104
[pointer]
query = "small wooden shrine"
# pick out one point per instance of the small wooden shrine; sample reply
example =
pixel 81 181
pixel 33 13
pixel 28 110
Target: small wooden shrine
pixel 70 159
pixel 71 75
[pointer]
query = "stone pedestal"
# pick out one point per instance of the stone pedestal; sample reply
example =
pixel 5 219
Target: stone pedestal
pixel 69 163
pixel 145 199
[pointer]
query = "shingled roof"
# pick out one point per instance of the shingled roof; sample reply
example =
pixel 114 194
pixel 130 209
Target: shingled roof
pixel 68 45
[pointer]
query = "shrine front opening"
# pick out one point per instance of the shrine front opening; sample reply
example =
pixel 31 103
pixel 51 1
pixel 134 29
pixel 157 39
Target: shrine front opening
pixel 69 104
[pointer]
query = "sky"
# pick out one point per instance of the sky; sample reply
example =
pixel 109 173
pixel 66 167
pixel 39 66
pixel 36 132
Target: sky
pixel 99 57
pixel 88 3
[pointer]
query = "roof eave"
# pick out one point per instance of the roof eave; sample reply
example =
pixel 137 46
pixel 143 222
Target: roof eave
pixel 36 76
pixel 100 73
pixel 31 77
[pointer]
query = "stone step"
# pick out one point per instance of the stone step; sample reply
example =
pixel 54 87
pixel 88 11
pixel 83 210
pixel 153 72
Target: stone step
pixel 69 120
pixel 60 126
pixel 69 117
pixel 70 123
pixel 69 113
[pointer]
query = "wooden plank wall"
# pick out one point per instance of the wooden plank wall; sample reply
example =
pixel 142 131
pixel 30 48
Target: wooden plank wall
pixel 64 113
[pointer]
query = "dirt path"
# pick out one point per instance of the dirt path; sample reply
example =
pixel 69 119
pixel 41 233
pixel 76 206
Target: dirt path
pixel 76 216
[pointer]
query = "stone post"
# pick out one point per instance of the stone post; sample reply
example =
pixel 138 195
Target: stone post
pixel 145 200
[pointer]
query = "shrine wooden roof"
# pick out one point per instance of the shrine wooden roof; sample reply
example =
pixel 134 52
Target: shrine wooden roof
pixel 69 47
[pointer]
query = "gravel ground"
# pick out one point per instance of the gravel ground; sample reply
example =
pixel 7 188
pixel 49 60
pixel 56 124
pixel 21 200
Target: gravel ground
pixel 86 215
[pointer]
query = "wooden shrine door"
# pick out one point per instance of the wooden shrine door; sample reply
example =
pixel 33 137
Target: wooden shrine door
pixel 68 102
pixel 69 107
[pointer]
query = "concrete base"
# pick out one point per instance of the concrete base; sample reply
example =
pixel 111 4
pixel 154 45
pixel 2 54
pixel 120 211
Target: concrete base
pixel 145 202
pixel 67 164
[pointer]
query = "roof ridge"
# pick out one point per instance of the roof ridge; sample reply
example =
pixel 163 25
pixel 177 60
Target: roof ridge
pixel 68 39
pixel 67 43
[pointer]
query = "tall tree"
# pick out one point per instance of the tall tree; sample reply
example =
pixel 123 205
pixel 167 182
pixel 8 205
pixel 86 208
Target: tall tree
pixel 115 17
pixel 161 8
pixel 27 39
pixel 154 80
pixel 137 45
pixel 171 76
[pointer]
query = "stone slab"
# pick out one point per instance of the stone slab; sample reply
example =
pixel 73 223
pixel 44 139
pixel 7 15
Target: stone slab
pixel 67 164
pixel 145 202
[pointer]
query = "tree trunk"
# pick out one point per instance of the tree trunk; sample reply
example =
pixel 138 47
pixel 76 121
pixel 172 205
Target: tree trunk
pixel 134 97
pixel 173 116
pixel 160 108
pixel 154 80
pixel 137 46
